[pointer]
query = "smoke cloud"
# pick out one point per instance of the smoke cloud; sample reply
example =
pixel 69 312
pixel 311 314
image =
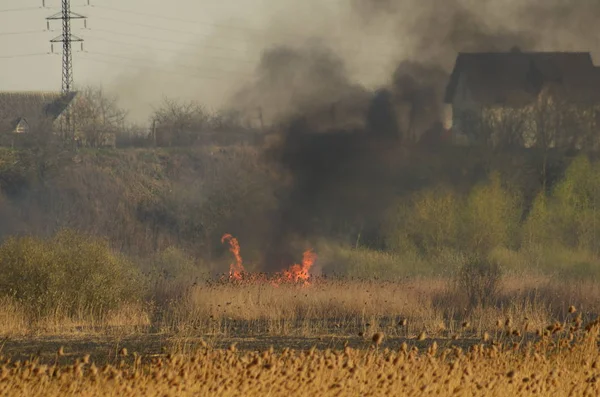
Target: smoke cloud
pixel 343 132
pixel 347 84
pixel 369 37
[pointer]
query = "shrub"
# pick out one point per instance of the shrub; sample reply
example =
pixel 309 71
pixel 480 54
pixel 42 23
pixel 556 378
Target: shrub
pixel 437 220
pixel 66 274
pixel 429 222
pixel 174 264
pixel 574 206
pixel 479 279
pixel 364 263
pixel 492 217
pixel 172 272
pixel 569 216
pixel 566 263
pixel 537 228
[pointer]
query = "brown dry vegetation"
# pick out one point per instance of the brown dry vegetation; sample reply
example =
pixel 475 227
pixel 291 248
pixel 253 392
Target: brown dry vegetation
pixel 559 362
pixel 492 258
pixel 343 308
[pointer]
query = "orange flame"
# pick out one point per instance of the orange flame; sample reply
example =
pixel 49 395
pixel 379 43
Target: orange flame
pixel 236 269
pixel 297 273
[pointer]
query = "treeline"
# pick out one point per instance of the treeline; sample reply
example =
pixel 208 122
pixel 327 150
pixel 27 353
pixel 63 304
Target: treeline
pixel 98 118
pixel 145 224
pixel 143 201
pixel 557 231
pixel 422 212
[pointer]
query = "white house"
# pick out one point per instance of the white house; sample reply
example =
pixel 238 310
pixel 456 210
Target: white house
pixel 525 99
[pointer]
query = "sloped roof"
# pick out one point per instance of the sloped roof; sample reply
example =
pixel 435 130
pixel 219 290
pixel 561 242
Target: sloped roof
pixel 37 108
pixel 18 121
pixel 516 78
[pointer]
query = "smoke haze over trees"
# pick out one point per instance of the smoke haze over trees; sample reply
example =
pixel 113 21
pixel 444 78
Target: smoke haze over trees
pixel 310 89
pixel 371 38
pixel 349 95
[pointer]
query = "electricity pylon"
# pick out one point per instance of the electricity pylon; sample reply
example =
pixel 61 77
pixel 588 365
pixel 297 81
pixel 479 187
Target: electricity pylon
pixel 66 38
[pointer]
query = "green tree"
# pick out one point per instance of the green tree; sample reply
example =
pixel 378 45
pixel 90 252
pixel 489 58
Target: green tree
pixel 429 222
pixel 573 215
pixel 491 217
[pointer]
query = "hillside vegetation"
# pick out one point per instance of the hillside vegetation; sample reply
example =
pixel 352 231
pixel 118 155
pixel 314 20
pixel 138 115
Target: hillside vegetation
pixel 143 226
pixel 425 212
pixel 142 200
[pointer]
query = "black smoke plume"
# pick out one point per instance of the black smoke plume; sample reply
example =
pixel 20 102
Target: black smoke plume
pixel 342 140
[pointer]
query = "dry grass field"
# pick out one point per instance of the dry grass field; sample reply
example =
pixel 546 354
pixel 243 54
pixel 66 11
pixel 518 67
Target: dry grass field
pixel 343 308
pixel 329 337
pixel 562 360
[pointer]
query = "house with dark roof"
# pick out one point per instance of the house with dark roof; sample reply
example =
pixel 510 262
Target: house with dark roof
pixel 24 114
pixel 32 112
pixel 544 99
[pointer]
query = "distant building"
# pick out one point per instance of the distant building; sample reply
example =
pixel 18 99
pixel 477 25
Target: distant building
pixel 23 114
pixel 28 112
pixel 516 98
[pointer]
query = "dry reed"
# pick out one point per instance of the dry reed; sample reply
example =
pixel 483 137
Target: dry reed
pixel 559 364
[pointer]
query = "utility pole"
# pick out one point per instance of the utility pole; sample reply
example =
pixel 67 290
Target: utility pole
pixel 67 39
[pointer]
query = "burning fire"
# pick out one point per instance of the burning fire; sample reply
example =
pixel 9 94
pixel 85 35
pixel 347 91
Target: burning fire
pixel 236 269
pixel 297 273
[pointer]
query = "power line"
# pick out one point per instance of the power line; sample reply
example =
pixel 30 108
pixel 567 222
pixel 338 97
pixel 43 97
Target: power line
pixel 142 37
pixel 175 19
pixel 237 39
pixel 24 55
pixel 144 62
pixel 183 66
pixel 182 43
pixel 204 55
pixel 20 9
pixel 154 27
pixel 212 24
pixel 153 68
pixel 195 46
pixel 23 32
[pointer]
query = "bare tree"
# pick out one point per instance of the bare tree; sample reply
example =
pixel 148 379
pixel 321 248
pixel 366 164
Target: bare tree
pixel 134 135
pixel 505 127
pixel 97 117
pixel 560 124
pixel 226 121
pixel 179 123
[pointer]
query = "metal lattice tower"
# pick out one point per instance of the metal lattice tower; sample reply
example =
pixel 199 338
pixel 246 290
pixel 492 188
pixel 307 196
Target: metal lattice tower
pixel 66 38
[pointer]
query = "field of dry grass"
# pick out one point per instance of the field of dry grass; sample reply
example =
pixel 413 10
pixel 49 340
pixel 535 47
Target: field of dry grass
pixel 325 307
pixel 257 338
pixel 347 308
pixel 563 360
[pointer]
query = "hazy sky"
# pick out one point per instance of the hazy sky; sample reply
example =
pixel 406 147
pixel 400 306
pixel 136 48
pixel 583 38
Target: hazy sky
pixel 133 53
pixel 146 49
pixel 206 50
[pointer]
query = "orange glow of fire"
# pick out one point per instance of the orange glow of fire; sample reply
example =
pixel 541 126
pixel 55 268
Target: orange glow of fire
pixel 297 273
pixel 236 269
